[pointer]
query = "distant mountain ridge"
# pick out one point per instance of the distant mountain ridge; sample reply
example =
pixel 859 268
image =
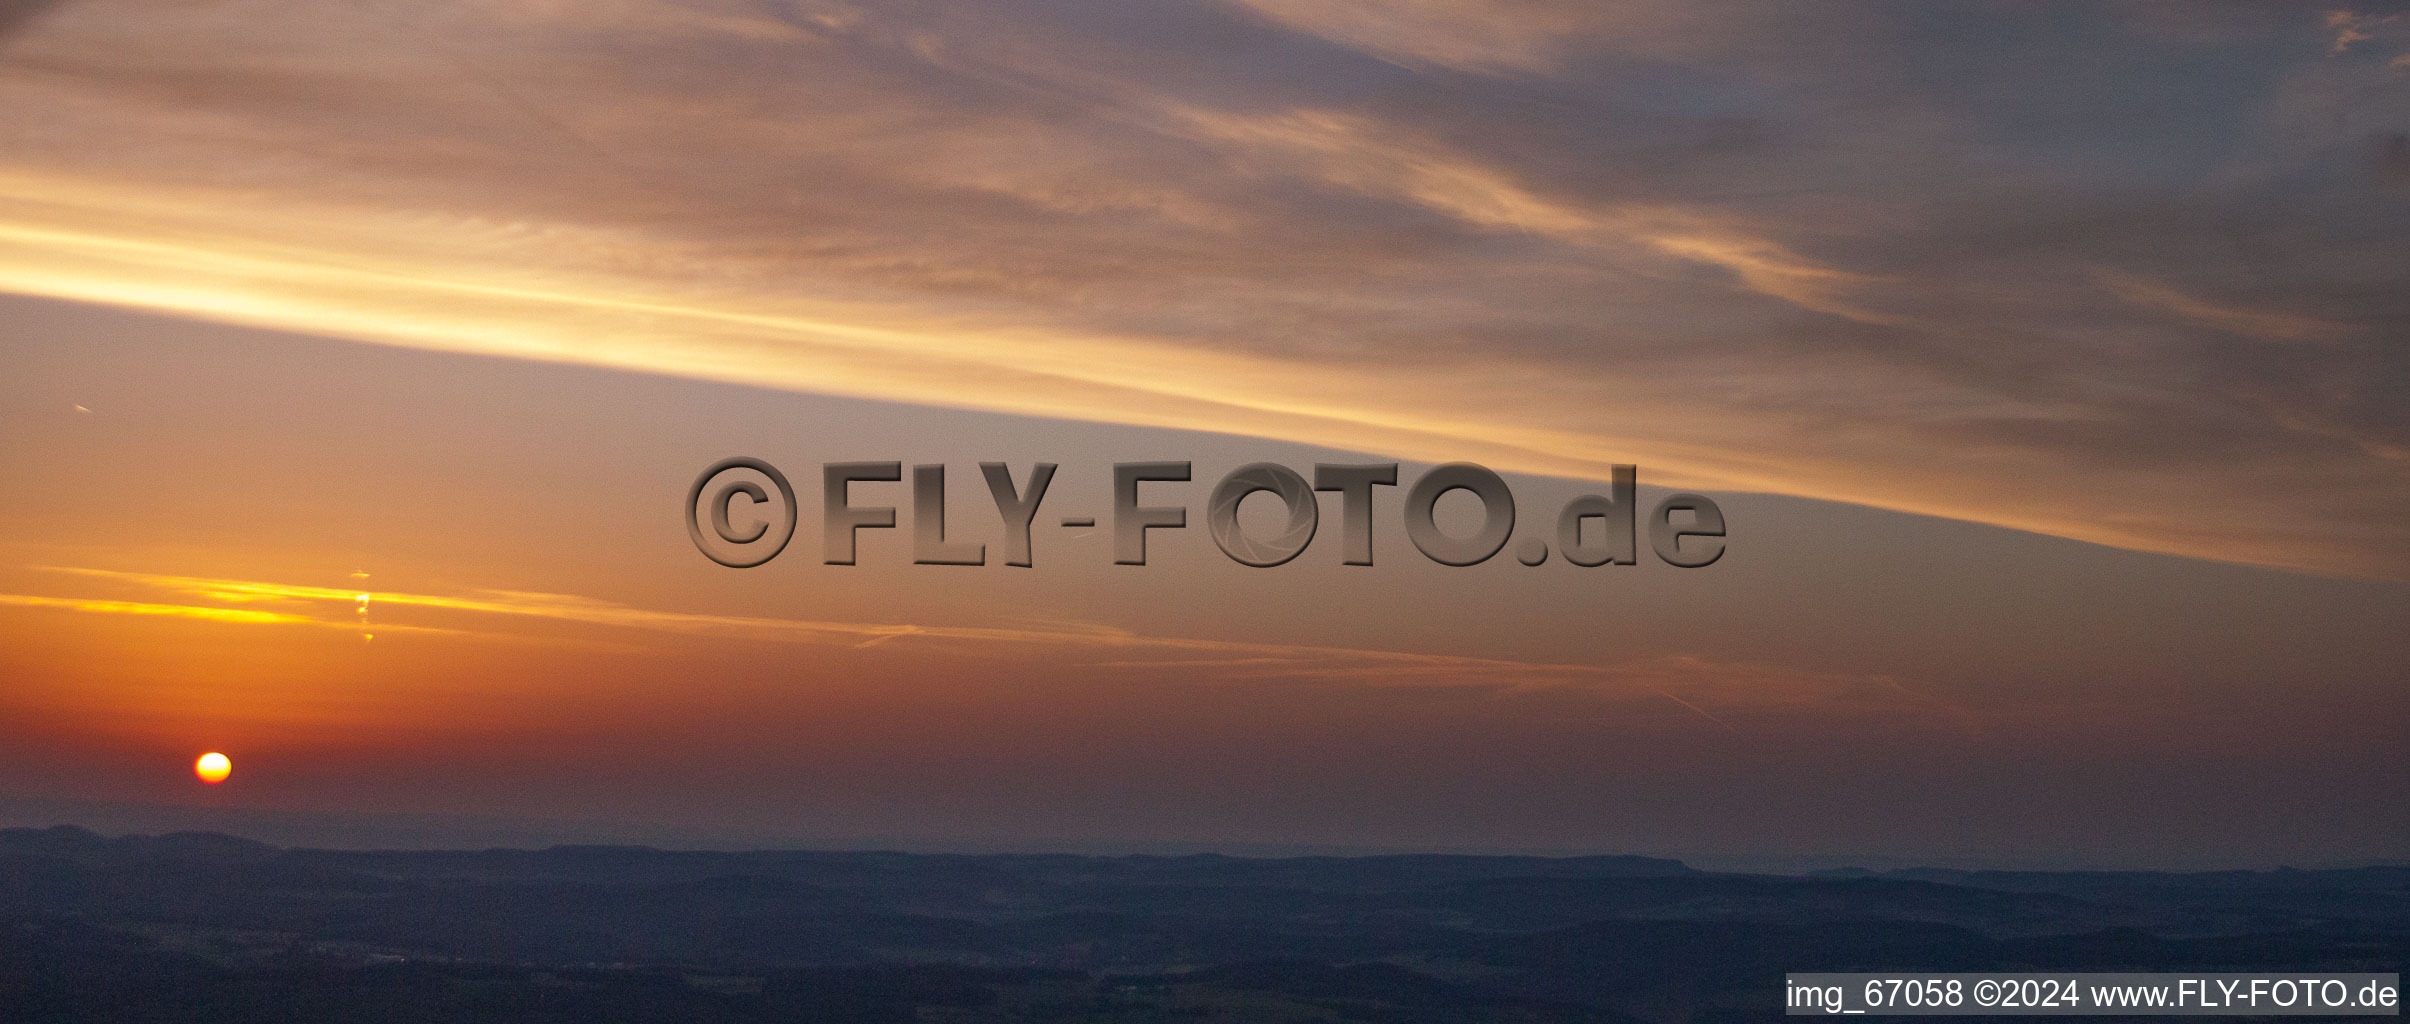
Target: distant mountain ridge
pixel 83 845
pixel 630 862
pixel 754 935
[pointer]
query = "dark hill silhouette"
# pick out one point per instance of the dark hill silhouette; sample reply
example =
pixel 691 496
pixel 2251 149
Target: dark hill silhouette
pixel 138 928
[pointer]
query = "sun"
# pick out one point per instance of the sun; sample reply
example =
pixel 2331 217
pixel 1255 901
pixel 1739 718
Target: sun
pixel 213 767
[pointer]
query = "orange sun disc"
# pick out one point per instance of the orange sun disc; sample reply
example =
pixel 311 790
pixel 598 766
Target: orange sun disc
pixel 213 767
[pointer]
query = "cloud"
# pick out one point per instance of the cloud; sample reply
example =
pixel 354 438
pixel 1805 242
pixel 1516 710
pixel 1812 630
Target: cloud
pixel 572 608
pixel 204 613
pixel 1473 36
pixel 1354 152
pixel 1731 695
pixel 1839 251
pixel 2261 324
pixel 2353 28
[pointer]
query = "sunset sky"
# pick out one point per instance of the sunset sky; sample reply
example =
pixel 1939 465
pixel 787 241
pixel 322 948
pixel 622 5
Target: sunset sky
pixel 2049 362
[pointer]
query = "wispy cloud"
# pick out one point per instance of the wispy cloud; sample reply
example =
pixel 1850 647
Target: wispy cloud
pixel 590 611
pixel 183 611
pixel 1486 36
pixel 1716 691
pixel 2353 28
pixel 2262 324
pixel 1355 152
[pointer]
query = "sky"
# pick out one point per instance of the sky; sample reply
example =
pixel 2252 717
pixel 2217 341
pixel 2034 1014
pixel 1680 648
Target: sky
pixel 2046 360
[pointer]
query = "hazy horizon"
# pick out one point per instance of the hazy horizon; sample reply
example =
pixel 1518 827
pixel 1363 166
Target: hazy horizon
pixel 438 833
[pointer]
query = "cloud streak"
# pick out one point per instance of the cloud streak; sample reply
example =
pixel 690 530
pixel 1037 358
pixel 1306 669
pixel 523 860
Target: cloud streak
pixel 204 613
pixel 1731 695
pixel 2268 326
